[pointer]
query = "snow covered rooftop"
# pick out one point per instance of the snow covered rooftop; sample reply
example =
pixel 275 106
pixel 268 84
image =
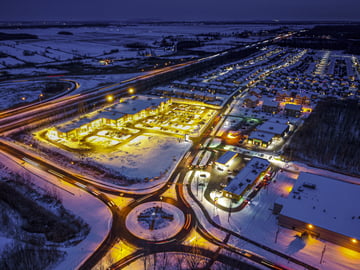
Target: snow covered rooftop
pixel 225 158
pixel 134 105
pixel 252 98
pixel 76 123
pixel 114 112
pixel 325 202
pixel 263 136
pixel 270 103
pixel 247 176
pixel 272 127
pixel 293 107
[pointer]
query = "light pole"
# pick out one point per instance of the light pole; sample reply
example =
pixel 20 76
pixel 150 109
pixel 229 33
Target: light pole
pixel 110 98
pixel 230 210
pixel 215 203
pixel 197 186
pixel 161 202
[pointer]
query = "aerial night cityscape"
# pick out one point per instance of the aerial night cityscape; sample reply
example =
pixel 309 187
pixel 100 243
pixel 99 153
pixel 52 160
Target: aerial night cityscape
pixel 180 135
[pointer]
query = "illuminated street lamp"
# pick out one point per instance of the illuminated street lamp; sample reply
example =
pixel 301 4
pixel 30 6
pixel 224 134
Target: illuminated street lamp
pixel 161 202
pixel 110 98
pixel 23 98
pixel 41 96
pixel 131 91
pixel 354 241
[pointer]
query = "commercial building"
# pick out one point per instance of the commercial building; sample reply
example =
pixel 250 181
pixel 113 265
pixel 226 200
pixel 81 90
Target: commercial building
pixel 278 129
pixel 323 207
pixel 225 160
pixel 259 138
pixel 266 132
pixel 126 110
pixel 248 177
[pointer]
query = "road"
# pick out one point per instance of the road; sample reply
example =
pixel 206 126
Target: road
pixel 30 115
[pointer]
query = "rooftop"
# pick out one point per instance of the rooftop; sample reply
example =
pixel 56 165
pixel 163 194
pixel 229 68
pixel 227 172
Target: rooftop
pixel 270 103
pixel 225 158
pixel 325 202
pixel 247 176
pixel 293 107
pixel 263 136
pixel 113 112
pixel 134 105
pixel 272 127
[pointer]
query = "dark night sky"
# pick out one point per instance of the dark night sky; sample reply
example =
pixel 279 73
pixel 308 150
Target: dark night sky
pixel 17 10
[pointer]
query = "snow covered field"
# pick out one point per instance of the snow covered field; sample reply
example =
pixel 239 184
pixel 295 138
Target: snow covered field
pixel 90 44
pixel 19 92
pixel 145 157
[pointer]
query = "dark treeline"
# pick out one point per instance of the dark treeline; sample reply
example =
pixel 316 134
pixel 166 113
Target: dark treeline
pixel 7 36
pixel 329 137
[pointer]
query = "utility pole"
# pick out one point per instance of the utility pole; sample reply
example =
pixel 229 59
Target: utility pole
pixel 230 210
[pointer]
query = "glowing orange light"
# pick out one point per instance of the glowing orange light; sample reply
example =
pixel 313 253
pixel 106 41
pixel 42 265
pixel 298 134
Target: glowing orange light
pixel 354 240
pixel 310 226
pixel 109 98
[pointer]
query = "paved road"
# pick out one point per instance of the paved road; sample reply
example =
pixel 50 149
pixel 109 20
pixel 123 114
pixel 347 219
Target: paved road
pixel 46 109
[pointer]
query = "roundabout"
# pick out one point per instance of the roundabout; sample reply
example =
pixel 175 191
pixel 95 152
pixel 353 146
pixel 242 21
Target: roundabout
pixel 155 221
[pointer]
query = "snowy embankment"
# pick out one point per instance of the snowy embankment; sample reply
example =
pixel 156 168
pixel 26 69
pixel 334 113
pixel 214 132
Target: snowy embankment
pixel 80 203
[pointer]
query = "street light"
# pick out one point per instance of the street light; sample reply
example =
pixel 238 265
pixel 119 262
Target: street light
pixel 131 91
pixel 110 98
pixel 161 202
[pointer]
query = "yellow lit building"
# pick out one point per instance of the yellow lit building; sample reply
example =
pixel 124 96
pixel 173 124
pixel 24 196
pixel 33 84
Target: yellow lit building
pixel 131 109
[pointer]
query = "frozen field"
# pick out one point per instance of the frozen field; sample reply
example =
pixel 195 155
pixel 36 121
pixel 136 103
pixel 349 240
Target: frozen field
pixel 144 157
pixel 90 44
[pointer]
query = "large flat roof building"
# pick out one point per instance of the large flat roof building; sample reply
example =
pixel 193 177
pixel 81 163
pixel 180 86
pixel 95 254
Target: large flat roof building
pixel 226 158
pixel 324 207
pixel 246 179
pixel 132 108
pixel 277 129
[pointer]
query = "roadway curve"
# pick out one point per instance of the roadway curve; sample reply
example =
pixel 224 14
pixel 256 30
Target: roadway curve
pixel 51 108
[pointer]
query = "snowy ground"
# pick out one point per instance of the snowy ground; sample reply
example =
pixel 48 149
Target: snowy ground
pixel 13 93
pixel 166 228
pixel 257 222
pixel 146 156
pixel 91 44
pixel 99 217
pixel 87 82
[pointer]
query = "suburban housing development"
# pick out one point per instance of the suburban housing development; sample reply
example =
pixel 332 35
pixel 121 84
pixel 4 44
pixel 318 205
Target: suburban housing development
pixel 200 146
